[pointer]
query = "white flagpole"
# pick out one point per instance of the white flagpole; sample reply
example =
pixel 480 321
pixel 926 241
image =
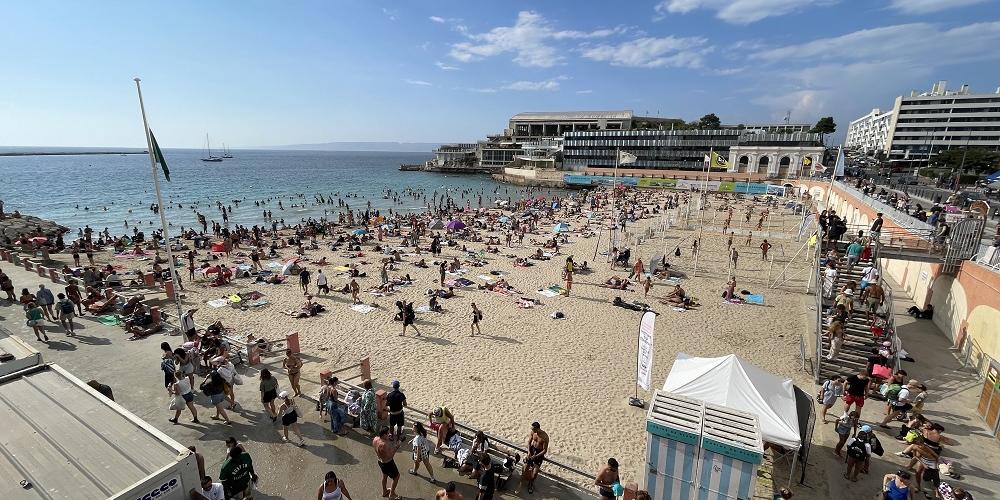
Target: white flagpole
pixel 159 203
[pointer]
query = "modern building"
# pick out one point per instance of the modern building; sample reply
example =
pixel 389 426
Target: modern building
pixel 686 149
pixel 869 133
pixel 927 123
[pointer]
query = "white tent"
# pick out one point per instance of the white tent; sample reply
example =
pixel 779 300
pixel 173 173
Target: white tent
pixel 734 383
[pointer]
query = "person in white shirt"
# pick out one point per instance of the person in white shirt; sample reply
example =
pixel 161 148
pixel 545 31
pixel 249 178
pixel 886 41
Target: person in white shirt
pixel 209 490
pixel 321 284
pixel 228 373
pixel 868 275
pixel 903 402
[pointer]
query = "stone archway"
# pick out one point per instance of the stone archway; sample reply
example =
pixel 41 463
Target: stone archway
pixel 743 163
pixel 783 166
pixel 763 163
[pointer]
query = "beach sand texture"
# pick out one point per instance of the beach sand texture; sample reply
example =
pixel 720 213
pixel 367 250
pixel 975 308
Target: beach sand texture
pixel 572 375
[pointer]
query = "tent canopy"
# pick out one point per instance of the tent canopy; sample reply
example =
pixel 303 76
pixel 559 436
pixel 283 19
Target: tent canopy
pixel 735 383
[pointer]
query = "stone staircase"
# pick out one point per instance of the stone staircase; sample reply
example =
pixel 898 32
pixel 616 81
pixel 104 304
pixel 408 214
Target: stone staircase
pixel 858 339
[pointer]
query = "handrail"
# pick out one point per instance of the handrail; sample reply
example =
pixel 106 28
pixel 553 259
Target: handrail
pixel 469 434
pixel 819 302
pixel 905 221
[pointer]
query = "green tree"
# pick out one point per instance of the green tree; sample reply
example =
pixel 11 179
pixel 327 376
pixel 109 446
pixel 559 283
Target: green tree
pixel 824 126
pixel 709 121
pixel 977 160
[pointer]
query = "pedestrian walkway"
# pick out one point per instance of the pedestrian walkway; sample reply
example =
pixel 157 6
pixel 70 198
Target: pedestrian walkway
pixel 131 368
pixel 953 395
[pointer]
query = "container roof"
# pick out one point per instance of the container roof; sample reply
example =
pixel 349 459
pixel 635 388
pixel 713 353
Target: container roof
pixel 574 115
pixel 70 442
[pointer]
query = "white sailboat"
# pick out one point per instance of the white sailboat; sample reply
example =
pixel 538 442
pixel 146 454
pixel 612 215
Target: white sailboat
pixel 225 151
pixel 208 147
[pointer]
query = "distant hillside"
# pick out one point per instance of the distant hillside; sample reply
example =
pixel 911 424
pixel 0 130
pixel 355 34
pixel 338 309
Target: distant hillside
pixel 394 147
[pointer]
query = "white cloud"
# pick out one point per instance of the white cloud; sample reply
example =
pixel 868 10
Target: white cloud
pixel 929 6
pixel 552 84
pixel 737 11
pixel 651 52
pixel 588 91
pixel 392 14
pixel 802 103
pixel 446 67
pixel 529 39
pixel 437 19
pixel 419 82
pixel 921 43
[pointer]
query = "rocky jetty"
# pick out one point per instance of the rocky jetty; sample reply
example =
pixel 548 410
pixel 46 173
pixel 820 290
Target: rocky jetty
pixel 15 227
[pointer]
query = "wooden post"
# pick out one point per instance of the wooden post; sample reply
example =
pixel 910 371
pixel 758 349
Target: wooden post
pixel 366 368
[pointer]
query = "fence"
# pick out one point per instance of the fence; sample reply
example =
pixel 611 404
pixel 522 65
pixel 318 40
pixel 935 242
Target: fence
pixel 901 219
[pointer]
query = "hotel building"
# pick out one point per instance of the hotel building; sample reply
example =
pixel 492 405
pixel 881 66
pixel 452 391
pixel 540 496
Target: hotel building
pixel 870 132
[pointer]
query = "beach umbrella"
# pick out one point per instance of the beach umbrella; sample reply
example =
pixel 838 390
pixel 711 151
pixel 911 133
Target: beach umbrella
pixel 455 225
pixel 359 232
pixel 437 224
pixel 560 227
pixel 504 219
pixel 287 268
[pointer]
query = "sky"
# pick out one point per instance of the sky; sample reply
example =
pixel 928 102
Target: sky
pixel 260 73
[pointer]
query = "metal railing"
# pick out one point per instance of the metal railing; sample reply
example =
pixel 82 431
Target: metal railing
pixel 989 256
pixel 901 219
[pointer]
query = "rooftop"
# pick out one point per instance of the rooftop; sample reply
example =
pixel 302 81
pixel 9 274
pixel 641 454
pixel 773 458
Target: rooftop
pixel 574 115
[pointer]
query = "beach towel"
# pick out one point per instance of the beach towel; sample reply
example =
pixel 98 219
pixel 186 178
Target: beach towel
pixel 487 278
pixel 423 309
pixel 342 268
pixel 257 303
pixel 545 292
pixel 362 308
pixel 217 303
pixel 679 309
pixel 754 299
pixel 235 298
pixel 558 289
pixel 274 265
pixel 109 319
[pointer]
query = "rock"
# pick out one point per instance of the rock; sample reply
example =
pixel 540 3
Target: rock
pixel 15 227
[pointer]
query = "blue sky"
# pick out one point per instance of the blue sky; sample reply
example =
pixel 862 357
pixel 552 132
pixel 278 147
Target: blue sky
pixel 260 73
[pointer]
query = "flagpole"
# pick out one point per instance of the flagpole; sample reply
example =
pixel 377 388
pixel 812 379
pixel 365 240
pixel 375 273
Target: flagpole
pixel 159 203
pixel 701 207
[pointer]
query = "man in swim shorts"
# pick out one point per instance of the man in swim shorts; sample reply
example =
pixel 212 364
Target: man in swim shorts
pixel 538 445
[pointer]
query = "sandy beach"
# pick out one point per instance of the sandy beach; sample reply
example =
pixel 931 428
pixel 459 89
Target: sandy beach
pixel 573 375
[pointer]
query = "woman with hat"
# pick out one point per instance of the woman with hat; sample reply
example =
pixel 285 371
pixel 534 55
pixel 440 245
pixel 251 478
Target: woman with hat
pixel 289 416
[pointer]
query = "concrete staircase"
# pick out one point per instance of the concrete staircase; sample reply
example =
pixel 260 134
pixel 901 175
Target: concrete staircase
pixel 858 339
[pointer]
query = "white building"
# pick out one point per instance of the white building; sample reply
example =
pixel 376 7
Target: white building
pixel 870 132
pixel 927 123
pixel 775 159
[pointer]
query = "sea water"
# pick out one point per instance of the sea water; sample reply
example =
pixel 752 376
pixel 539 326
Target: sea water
pixel 106 190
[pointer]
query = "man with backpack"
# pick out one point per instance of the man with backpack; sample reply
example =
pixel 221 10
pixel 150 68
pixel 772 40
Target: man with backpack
pixel 64 309
pixel 900 400
pixel 859 451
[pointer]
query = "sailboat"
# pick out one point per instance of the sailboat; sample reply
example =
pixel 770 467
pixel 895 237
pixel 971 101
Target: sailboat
pixel 225 151
pixel 208 146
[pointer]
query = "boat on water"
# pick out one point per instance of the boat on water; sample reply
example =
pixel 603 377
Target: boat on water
pixel 208 148
pixel 225 151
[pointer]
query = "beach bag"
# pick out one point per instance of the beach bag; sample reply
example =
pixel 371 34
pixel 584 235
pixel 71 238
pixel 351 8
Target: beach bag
pixel 881 371
pixel 911 436
pixel 890 391
pixel 176 403
pixel 237 379
pixel 66 307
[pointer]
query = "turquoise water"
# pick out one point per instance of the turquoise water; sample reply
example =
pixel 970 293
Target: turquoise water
pixel 105 190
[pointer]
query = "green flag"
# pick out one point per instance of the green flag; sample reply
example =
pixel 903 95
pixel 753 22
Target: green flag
pixel 158 156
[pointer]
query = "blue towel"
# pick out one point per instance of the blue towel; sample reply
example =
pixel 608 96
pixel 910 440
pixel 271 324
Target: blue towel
pixel 754 299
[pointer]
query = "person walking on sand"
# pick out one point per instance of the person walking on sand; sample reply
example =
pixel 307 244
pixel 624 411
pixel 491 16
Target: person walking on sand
pixel 647 285
pixel 409 318
pixel 322 285
pixel 764 247
pixel 441 272
pixel 735 257
pixel 333 488
pixel 289 417
pixel 183 396
pixel 268 393
pixel 304 281
pixel 477 316
pixel 355 291
pixel 293 364
pixel 385 449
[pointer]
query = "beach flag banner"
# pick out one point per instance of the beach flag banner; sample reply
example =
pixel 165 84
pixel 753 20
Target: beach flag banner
pixel 158 155
pixel 718 161
pixel 644 364
pixel 624 158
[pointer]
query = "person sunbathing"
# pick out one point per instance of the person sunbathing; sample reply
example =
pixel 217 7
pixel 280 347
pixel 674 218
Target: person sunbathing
pixel 92 296
pixel 321 262
pixel 446 294
pixel 730 292
pixel 434 305
pixel 616 283
pixel 422 263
